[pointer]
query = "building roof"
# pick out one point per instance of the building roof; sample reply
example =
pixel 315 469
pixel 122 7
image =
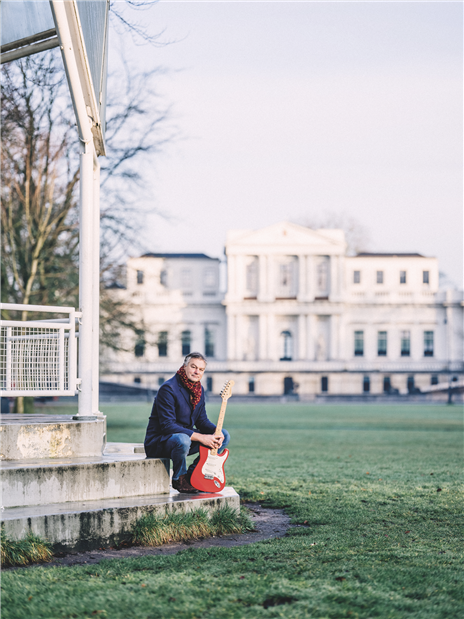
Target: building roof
pixel 390 255
pixel 191 256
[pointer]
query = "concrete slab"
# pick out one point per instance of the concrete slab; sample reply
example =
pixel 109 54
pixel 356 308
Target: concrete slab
pixel 24 437
pixel 60 480
pixel 124 448
pixel 92 524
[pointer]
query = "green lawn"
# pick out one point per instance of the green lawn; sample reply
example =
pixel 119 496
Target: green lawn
pixel 376 490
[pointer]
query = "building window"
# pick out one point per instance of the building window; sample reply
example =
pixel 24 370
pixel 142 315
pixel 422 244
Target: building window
pixel 324 383
pixel 322 271
pixel 186 338
pixel 163 344
pixel 379 277
pixel 164 278
pixel 137 380
pixel 402 277
pixel 186 279
pixel 209 342
pixel 382 344
pixel 428 343
pixel 405 343
pixel 356 277
pixel 366 384
pixel 209 384
pixel 425 277
pixel 252 278
pixel 286 280
pixel 386 384
pixel 287 346
pixel 251 384
pixel 209 278
pixel 410 384
pixel 434 379
pixel 139 277
pixel 359 343
pixel 139 349
pixel 161 380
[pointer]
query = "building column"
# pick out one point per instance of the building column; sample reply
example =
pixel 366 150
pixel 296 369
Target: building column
pixel 262 278
pixel 310 278
pixel 231 337
pixel 239 333
pixel 301 278
pixel 449 330
pixel 231 270
pixel 271 284
pixel 240 275
pixel 341 276
pixel 263 337
pixel 272 338
pixel 333 277
pixel 311 333
pixel 334 281
pixel 302 337
pixel 334 336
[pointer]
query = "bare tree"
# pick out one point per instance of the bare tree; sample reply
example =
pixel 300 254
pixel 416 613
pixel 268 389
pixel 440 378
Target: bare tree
pixel 357 235
pixel 124 21
pixel 40 172
pixel 40 180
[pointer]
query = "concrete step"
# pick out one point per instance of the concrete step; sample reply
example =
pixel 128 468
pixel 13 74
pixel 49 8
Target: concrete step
pixel 94 524
pixel 124 448
pixel 25 437
pixel 60 480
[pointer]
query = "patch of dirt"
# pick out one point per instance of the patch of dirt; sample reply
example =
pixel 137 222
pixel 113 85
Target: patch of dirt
pixel 269 523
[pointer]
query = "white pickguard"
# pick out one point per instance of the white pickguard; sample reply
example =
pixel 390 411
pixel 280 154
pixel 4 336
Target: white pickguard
pixel 213 467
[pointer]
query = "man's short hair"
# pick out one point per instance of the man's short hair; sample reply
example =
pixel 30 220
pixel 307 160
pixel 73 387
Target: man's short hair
pixel 194 355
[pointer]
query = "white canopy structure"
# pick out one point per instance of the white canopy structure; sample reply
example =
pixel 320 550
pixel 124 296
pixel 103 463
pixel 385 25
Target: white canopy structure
pixel 39 359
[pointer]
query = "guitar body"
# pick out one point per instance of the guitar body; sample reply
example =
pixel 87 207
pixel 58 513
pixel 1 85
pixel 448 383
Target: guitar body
pixel 209 475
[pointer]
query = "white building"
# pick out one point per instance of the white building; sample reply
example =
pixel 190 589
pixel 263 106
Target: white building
pixel 299 316
pixel 177 302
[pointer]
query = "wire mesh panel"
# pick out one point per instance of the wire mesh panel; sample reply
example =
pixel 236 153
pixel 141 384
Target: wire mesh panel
pixel 34 359
pixel 37 357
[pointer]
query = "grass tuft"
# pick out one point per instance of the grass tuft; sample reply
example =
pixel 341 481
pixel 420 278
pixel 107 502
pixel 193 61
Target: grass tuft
pixel 31 549
pixel 155 530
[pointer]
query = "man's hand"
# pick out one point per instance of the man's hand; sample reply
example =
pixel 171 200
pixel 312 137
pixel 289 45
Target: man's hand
pixel 208 440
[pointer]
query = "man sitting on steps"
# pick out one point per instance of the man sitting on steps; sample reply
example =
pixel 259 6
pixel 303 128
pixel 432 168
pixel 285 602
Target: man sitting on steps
pixel 179 407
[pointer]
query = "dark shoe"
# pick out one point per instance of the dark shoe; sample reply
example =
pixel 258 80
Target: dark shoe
pixel 182 485
pixel 191 468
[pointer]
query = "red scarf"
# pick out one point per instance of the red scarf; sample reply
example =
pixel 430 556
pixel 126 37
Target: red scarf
pixel 193 388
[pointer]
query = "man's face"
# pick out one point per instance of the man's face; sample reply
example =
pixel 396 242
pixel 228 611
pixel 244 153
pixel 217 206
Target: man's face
pixel 195 369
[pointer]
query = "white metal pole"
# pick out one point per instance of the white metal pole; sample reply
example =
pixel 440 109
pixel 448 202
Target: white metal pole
pixel 84 123
pixel 96 289
pixel 85 280
pixel 61 359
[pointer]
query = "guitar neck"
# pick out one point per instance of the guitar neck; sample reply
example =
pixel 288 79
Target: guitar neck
pixel 220 422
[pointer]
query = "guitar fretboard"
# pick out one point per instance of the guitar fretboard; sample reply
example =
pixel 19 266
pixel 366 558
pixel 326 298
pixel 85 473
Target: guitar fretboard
pixel 220 423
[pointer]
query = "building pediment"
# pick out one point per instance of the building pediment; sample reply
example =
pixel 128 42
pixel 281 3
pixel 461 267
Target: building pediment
pixel 287 237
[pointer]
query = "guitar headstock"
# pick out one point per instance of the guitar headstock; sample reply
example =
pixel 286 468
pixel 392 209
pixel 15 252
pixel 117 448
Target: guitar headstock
pixel 227 390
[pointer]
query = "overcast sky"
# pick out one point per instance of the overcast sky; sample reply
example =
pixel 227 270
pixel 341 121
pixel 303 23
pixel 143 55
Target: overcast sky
pixel 289 110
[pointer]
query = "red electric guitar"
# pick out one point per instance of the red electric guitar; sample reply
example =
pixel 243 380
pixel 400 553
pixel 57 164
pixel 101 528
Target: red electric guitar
pixel 208 475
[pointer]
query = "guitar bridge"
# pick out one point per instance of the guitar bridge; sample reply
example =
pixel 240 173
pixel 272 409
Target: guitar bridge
pixel 209 477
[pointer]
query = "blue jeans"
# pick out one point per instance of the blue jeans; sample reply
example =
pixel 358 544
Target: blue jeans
pixel 179 446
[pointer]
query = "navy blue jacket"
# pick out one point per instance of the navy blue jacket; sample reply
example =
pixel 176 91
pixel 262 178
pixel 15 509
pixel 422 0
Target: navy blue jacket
pixel 172 414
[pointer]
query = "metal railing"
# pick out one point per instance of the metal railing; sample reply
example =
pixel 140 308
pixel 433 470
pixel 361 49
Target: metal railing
pixel 38 357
